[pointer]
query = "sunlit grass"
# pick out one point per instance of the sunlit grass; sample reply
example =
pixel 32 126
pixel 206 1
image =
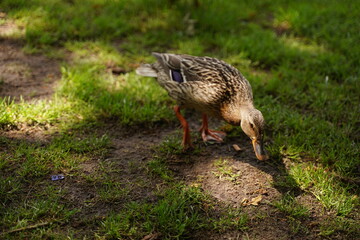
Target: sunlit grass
pixel 128 97
pixel 41 112
pixel 326 188
pixel 303 46
pixel 302 136
pixel 224 171
pixel 94 52
pixel 88 92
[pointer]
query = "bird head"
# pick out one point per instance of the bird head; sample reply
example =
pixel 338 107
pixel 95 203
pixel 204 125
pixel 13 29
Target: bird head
pixel 252 123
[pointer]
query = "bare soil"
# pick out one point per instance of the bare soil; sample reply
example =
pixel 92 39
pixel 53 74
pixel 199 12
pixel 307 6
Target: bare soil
pixel 30 76
pixel 253 189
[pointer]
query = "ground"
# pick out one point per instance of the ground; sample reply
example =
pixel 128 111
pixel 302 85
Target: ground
pixel 31 77
pixel 84 113
pixel 242 181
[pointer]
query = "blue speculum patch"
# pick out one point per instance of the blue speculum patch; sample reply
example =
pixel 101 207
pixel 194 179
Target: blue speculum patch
pixel 176 76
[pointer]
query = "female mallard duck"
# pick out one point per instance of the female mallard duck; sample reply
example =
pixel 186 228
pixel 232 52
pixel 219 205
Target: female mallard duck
pixel 212 87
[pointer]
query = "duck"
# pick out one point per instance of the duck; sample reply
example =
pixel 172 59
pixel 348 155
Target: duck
pixel 213 88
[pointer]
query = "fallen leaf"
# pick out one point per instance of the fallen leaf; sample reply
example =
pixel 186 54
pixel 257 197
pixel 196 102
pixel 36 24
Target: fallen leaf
pixel 245 202
pixel 256 200
pixel 236 147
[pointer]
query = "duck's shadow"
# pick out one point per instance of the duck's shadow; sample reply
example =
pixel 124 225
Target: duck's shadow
pixel 282 180
pixel 274 166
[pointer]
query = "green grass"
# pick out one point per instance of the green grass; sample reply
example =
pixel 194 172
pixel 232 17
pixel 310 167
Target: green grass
pixel 289 206
pixel 88 93
pixel 234 219
pixel 131 99
pixel 158 167
pixel 43 112
pixel 332 193
pixel 44 208
pixel 300 57
pixel 339 225
pixel 26 169
pixel 295 213
pixel 174 216
pixel 224 171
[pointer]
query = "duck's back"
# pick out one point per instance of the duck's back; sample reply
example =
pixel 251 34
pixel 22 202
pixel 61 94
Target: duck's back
pixel 203 83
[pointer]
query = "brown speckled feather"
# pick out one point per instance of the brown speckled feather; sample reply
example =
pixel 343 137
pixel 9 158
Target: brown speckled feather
pixel 209 85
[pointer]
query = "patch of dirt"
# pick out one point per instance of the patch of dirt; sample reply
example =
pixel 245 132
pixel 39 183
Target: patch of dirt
pixel 30 76
pixel 247 182
pixel 233 177
pixel 238 179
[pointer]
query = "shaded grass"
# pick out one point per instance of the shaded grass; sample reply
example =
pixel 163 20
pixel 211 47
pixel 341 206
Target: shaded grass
pixel 179 212
pixel 289 206
pixel 338 226
pixel 24 162
pixel 295 212
pixel 27 199
pixel 35 211
pixel 234 219
pixel 174 216
pixel 158 167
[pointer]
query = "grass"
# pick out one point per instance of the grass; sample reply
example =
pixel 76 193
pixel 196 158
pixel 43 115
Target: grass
pixel 224 171
pixel 88 93
pixel 173 216
pixel 105 96
pixel 234 219
pixel 295 213
pixel 300 57
pixel 333 194
pixel 176 215
pixel 26 198
pixel 44 208
pixel 289 206
pixel 338 225
pixel 158 167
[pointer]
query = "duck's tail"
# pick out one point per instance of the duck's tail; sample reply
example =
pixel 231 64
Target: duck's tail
pixel 146 70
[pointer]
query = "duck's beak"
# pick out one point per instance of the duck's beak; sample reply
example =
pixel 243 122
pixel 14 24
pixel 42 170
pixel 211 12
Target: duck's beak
pixel 259 149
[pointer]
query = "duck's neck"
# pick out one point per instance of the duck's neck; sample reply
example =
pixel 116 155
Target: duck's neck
pixel 233 113
pixel 245 111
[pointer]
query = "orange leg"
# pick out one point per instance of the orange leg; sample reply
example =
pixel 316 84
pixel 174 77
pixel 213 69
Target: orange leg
pixel 208 134
pixel 186 142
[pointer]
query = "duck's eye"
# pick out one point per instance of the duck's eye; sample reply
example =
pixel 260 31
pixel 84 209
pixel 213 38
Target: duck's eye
pixel 252 125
